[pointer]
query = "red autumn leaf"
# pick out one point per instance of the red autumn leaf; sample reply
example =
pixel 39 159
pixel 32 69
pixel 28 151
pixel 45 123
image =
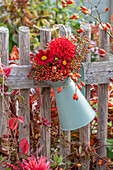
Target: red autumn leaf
pixel 13 123
pixel 21 119
pixel 110 104
pixel 47 123
pixel 39 123
pixel 7 71
pixel 13 167
pixel 24 146
pixel 8 93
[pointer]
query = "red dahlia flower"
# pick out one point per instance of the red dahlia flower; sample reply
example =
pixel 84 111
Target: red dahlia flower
pixel 62 47
pixel 43 57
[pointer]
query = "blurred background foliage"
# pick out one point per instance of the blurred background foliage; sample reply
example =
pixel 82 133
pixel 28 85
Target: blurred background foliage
pixel 15 13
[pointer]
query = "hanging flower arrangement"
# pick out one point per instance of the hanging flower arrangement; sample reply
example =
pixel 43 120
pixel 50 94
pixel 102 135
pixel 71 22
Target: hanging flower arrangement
pixel 61 58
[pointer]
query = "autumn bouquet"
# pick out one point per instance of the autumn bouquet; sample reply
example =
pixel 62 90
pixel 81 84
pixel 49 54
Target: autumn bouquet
pixel 61 59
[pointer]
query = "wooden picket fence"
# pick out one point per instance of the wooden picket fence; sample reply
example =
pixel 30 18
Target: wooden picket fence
pixel 95 73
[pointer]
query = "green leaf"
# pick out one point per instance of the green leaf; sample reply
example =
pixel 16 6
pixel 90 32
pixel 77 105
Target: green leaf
pixel 60 159
pixel 56 157
pixel 7 168
pixel 52 164
pixel 1 80
pixel 31 2
pixel 1 157
pixel 80 149
pixel 55 9
pixel 78 7
pixel 9 89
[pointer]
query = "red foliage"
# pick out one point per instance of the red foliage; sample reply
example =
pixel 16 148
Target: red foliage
pixel 13 167
pixel 7 71
pixel 24 146
pixel 13 123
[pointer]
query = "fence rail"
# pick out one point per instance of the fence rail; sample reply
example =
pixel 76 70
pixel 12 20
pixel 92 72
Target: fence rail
pixel 95 73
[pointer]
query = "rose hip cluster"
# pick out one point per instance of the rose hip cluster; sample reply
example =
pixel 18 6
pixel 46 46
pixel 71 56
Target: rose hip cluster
pixel 60 59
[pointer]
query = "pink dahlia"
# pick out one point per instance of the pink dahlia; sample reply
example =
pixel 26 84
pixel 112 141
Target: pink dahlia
pixel 43 57
pixel 33 164
pixel 62 47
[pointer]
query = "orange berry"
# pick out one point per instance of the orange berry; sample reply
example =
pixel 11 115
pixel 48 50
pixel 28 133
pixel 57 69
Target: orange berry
pixel 108 25
pixel 82 83
pixel 64 5
pixel 60 169
pixel 78 165
pixel 111 79
pixel 69 1
pixel 80 30
pixel 106 9
pixel 75 16
pixel 53 69
pixel 63 2
pixel 100 161
pixel 78 75
pixel 72 17
pixel 79 86
pixel 83 8
pixel 85 12
pixel 91 46
pixel 59 90
pixel 75 79
pixel 75 96
pixel 105 28
pixel 71 75
pixel 101 51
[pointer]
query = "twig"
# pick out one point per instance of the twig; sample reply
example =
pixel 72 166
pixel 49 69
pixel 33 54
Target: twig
pixel 98 3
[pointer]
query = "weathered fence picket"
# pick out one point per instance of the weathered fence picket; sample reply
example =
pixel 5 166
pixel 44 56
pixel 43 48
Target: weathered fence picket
pixel 102 102
pixel 95 73
pixel 45 36
pixel 84 133
pixel 24 55
pixel 4 58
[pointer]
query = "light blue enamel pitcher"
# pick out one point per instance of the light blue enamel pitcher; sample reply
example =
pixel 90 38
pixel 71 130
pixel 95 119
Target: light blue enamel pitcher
pixel 72 114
